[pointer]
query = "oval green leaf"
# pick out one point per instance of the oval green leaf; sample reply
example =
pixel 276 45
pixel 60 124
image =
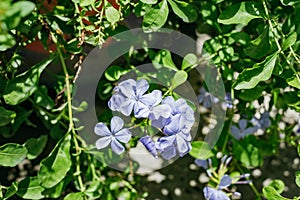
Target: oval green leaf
pixel 30 188
pixel 179 78
pixel 12 154
pixel 55 167
pixel 184 10
pixel 156 17
pixel 240 13
pixel 250 77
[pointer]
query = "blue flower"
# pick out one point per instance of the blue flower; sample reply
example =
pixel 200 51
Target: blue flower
pixel 201 163
pixel 178 109
pixel 214 194
pixel 228 101
pixel 113 136
pixel 176 140
pixel 130 95
pixel 149 145
pixel 225 182
pixel 242 131
pixel 206 98
pixel 263 122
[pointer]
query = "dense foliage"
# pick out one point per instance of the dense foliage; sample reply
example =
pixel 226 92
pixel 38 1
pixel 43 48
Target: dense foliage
pixel 253 44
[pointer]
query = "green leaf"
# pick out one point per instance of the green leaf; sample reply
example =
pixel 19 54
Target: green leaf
pixel 298 149
pixel 259 47
pixel 24 85
pixel 188 61
pixel 201 150
pixel 114 73
pixel 6 41
pixel 247 153
pixel 240 13
pixel 290 2
pixel 11 191
pixel 41 98
pixel 252 94
pixel 24 7
pixel 55 167
pixel 149 1
pixel 12 154
pixel 297 179
pixel 74 196
pixel 250 77
pixel 58 189
pixel 278 185
pixel 271 194
pixel 30 188
pixel 35 146
pixel 164 59
pixel 6 116
pixel 156 17
pixel 179 78
pixel 184 10
pixel 83 3
pixel 112 14
pixel 294 81
pixel 22 116
pixel 290 40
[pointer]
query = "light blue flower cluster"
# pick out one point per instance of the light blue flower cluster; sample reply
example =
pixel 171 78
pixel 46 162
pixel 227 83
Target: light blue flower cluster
pixel 174 118
pixel 222 181
pixel 241 131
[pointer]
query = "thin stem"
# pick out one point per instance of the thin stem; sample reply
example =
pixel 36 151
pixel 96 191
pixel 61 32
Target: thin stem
pixel 70 116
pixel 258 195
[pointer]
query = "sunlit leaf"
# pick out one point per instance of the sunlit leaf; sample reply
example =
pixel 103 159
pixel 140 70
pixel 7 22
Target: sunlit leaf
pixel 184 10
pixel 35 146
pixel 240 13
pixel 55 167
pixel 6 116
pixel 179 78
pixel 112 14
pixel 30 188
pixel 24 85
pixel 156 17
pixel 12 154
pixel 201 150
pixel 250 77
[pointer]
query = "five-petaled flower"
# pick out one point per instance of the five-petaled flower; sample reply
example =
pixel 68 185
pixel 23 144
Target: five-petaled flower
pixel 130 95
pixel 242 131
pixel 206 98
pixel 175 140
pixel 113 136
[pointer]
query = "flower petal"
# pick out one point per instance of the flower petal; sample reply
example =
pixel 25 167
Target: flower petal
pixel 214 194
pixel 235 132
pixel 152 99
pixel 160 111
pixel 116 146
pixel 225 182
pixel 127 106
pixel 141 110
pixel 123 135
pixel 103 142
pixel 243 124
pixel 101 129
pixel 170 102
pixel 169 153
pixel 141 87
pixel 149 145
pixel 116 123
pixel 115 102
pixel 183 146
pixel 127 89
